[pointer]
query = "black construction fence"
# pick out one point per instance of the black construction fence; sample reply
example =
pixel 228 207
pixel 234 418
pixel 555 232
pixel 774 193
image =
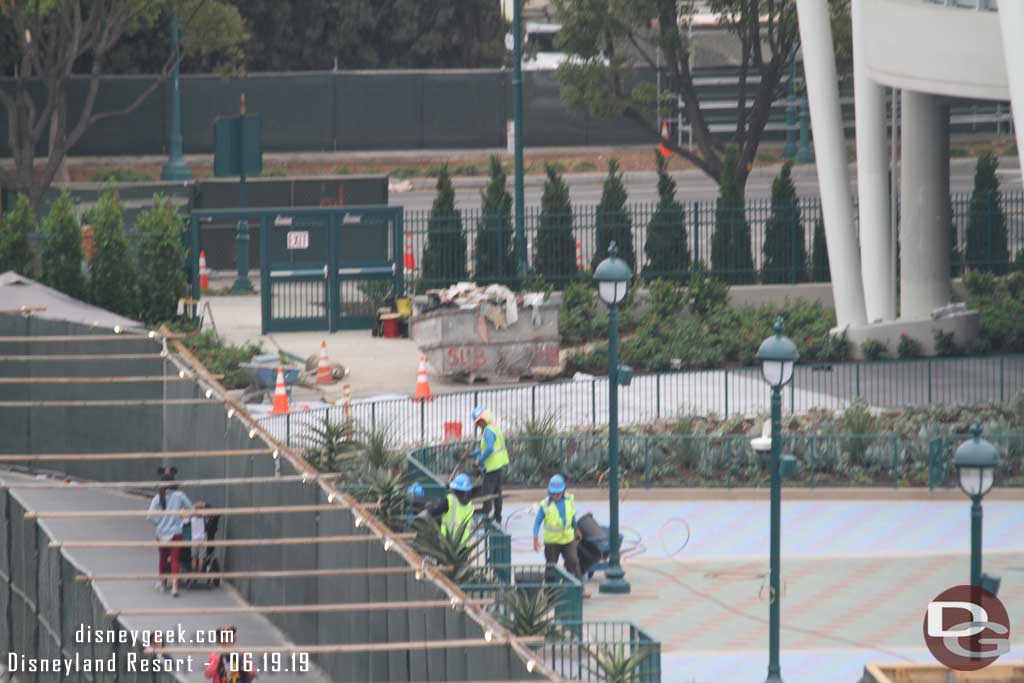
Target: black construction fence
pixel 401 110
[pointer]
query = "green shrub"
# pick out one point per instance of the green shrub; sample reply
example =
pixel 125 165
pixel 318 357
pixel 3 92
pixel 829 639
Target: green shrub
pixel 908 347
pixel 62 249
pixel 706 293
pixel 494 256
pixel 667 250
pixel 161 261
pixel 112 282
pixel 874 349
pixel 785 256
pixel 444 255
pixel 820 270
pixel 16 229
pixel 274 173
pixel 121 175
pixel 584 167
pixel 987 248
pixel 731 258
pixel 944 344
pixel 580 319
pixel 667 298
pixel 554 248
pixel 467 170
pixel 220 358
pixel 614 223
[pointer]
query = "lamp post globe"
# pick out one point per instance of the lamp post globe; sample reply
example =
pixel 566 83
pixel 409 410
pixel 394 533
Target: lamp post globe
pixel 975 461
pixel 778 356
pixel 612 276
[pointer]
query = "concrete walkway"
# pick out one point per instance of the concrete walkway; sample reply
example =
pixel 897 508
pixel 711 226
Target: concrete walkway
pixel 253 629
pixel 857 577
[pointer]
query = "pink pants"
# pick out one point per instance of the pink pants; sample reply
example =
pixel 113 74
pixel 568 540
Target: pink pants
pixel 169 556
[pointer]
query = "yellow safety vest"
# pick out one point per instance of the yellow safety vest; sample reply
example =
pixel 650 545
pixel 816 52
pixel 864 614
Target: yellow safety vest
pixel 456 515
pixel 499 456
pixel 557 531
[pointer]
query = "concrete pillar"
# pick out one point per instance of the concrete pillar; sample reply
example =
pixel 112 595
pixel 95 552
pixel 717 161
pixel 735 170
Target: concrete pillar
pixel 1011 19
pixel 924 206
pixel 872 181
pixel 830 150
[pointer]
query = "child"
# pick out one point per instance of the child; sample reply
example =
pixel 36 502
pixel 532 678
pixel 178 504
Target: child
pixel 198 534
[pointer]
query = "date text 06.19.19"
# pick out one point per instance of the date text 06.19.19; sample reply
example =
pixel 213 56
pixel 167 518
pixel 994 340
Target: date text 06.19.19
pixel 269 662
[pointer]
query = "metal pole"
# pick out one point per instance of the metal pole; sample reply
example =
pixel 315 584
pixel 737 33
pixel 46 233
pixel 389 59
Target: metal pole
pixel 242 283
pixel 774 675
pixel 175 168
pixel 894 181
pixel 517 115
pixel 614 576
pixel 789 151
pixel 975 540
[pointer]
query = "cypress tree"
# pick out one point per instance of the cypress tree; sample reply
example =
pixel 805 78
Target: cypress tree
pixel 444 256
pixel 554 251
pixel 614 224
pixel 667 250
pixel 15 229
pixel 112 274
pixel 820 271
pixel 785 255
pixel 161 261
pixel 62 249
pixel 494 260
pixel 731 260
pixel 987 249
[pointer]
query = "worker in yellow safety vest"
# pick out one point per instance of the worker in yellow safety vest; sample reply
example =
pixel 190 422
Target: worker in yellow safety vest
pixel 455 509
pixel 492 457
pixel 557 514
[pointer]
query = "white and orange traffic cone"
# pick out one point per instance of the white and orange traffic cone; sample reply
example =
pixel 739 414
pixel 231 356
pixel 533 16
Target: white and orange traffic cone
pixel 409 257
pixel 323 370
pixel 663 149
pixel 204 272
pixel 422 385
pixel 579 256
pixel 280 395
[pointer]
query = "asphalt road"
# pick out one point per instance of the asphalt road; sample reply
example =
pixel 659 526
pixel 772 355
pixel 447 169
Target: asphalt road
pixel 585 188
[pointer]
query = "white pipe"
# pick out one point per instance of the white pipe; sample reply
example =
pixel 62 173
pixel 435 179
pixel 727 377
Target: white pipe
pixel 1011 20
pixel 872 181
pixel 830 151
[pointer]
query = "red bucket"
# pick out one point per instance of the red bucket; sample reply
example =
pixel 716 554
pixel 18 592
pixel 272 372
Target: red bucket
pixel 452 431
pixel 390 326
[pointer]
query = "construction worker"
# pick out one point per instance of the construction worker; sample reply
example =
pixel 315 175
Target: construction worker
pixel 492 457
pixel 455 508
pixel 557 513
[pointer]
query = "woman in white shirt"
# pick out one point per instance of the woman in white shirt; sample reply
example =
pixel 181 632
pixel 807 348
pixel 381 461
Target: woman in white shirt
pixel 168 527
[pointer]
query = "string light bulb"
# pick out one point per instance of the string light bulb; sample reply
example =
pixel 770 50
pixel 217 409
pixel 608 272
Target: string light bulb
pixel 359 521
pixel 488 635
pixel 231 413
pixel 388 543
pixel 152 334
pixel 117 329
pixel 252 433
pixel 209 393
pixel 531 665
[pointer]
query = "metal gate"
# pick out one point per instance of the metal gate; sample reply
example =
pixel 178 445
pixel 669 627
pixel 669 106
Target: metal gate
pixel 324 268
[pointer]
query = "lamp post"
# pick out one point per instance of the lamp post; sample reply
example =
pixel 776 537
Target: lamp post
pixel 517 115
pixel 612 276
pixel 175 167
pixel 975 461
pixel 778 354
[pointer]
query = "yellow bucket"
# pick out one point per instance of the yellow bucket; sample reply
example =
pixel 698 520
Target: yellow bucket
pixel 404 306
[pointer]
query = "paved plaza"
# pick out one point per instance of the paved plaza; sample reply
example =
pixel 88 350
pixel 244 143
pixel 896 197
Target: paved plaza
pixel 857 577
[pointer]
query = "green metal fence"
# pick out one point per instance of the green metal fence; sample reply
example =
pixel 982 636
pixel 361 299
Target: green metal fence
pixel 575 649
pixel 498 582
pixel 727 460
pixel 778 245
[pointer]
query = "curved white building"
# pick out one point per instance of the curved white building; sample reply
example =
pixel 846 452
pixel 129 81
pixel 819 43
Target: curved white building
pixel 929 50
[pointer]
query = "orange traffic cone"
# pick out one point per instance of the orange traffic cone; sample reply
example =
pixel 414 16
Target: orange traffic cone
pixel 204 272
pixel 422 385
pixel 280 395
pixel 323 370
pixel 409 257
pixel 663 149
pixel 579 256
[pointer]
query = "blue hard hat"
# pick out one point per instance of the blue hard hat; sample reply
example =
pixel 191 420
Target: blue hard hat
pixel 461 483
pixel 477 412
pixel 414 490
pixel 557 484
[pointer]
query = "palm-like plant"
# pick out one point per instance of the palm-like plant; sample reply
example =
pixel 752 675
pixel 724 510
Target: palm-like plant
pixel 379 442
pixel 386 489
pixel 334 445
pixel 529 612
pixel 449 550
pixel 618 665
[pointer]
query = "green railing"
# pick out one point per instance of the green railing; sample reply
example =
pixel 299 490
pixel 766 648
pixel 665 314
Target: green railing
pixel 727 460
pixel 784 245
pixel 574 650
pixel 500 580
